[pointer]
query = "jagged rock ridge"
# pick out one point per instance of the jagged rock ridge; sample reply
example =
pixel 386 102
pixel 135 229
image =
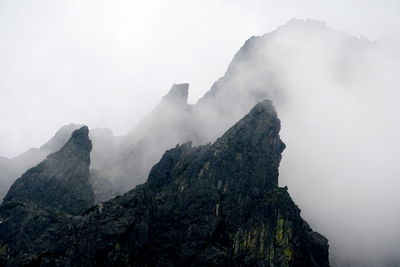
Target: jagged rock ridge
pixel 11 169
pixel 102 158
pixel 61 181
pixel 213 205
pixel 127 160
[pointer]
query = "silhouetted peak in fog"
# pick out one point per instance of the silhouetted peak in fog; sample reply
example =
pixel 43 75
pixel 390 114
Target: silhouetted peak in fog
pixel 178 94
pixel 62 180
pixel 212 205
pixel 304 24
pixel 61 137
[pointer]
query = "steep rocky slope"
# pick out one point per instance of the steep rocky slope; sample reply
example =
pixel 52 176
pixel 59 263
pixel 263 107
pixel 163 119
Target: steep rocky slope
pixel 11 169
pixel 167 125
pixel 47 194
pixel 265 67
pixel 61 181
pixel 102 157
pixel 257 71
pixel 213 205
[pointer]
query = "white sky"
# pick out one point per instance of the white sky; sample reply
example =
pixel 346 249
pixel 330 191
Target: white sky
pixel 107 63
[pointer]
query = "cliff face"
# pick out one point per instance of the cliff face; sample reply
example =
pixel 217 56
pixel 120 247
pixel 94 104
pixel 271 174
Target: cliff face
pixel 213 205
pixel 11 169
pixel 255 73
pixel 46 195
pixel 61 181
pixel 261 69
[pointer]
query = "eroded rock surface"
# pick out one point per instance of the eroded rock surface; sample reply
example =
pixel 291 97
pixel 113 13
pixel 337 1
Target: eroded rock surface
pixel 61 181
pixel 213 205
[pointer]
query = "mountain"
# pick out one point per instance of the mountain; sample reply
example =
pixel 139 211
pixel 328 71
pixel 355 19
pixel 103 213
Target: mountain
pixel 212 205
pixel 327 89
pixel 104 150
pixel 167 125
pixel 269 66
pixel 11 169
pixel 61 181
pixel 259 70
pixel 6 176
pixel 47 194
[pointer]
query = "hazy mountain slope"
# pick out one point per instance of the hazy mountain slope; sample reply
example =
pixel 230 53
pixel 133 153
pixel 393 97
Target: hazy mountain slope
pixel 61 181
pixel 337 95
pixel 15 167
pixel 45 195
pixel 102 156
pixel 170 123
pixel 276 64
pixel 214 205
pixel 6 172
pixel 255 73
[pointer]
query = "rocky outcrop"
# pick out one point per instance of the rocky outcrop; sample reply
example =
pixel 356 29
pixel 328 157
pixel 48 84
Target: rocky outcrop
pixel 61 181
pixel 255 73
pixel 46 195
pixel 102 156
pixel 178 94
pixel 15 167
pixel 212 205
pixel 21 223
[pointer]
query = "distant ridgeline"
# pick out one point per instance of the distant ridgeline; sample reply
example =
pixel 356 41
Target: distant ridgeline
pixel 125 161
pixel 212 205
pixel 214 201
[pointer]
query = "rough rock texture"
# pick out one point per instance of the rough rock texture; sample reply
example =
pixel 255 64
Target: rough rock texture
pixel 102 155
pixel 46 195
pixel 256 72
pixel 127 160
pixel 21 223
pixel 11 169
pixel 61 181
pixel 213 205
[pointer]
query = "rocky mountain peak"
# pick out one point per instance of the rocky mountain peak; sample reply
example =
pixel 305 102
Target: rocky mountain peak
pixel 178 93
pixel 62 180
pixel 61 137
pixel 79 146
pixel 211 205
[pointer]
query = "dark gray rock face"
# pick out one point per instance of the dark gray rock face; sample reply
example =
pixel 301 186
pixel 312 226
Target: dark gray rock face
pixel 46 195
pixel 61 181
pixel 102 155
pixel 253 75
pixel 213 205
pixel 21 223
pixel 11 169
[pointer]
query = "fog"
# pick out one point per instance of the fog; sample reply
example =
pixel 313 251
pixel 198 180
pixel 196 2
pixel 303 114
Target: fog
pixel 339 115
pixel 336 93
pixel 95 62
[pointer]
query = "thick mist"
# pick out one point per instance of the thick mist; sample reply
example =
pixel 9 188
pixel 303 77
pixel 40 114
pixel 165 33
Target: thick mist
pixel 337 97
pixel 106 63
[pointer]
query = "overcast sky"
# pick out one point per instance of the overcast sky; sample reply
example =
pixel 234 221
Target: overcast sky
pixel 107 63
